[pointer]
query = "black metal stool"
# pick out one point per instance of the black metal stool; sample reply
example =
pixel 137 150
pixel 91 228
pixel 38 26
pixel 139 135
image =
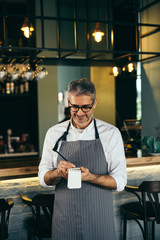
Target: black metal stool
pixel 41 206
pixel 5 209
pixel 146 208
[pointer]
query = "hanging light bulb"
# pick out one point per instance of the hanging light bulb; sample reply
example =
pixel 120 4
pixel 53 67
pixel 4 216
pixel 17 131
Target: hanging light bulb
pixel 130 67
pixel 98 34
pixel 27 28
pixel 115 71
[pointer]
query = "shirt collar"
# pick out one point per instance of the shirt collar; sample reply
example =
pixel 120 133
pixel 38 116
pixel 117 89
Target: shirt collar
pixel 85 130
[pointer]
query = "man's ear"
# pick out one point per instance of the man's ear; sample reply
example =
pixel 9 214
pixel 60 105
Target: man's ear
pixel 95 103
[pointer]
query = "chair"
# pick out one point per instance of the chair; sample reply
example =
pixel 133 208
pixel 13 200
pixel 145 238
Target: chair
pixel 5 209
pixel 146 208
pixel 41 206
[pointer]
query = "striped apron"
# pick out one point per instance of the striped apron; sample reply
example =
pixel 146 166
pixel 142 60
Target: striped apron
pixel 85 213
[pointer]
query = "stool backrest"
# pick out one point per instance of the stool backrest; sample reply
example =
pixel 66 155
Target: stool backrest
pixel 151 192
pixel 148 194
pixel 5 208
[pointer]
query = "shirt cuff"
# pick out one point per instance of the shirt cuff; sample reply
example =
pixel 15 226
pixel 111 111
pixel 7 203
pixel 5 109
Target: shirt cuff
pixel 41 178
pixel 121 183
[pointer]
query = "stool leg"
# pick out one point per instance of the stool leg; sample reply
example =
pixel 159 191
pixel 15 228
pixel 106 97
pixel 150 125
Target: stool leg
pixel 125 227
pixel 153 230
pixel 145 230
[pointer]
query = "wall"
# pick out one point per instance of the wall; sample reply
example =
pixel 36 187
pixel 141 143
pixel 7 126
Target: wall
pixel 69 73
pixel 150 97
pixel 47 87
pixel 47 103
pixel 105 85
pixel 150 72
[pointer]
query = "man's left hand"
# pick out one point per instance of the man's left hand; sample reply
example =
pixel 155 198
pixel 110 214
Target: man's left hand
pixel 85 174
pixel 102 180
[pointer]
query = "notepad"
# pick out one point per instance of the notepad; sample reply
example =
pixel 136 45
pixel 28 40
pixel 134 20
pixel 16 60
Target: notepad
pixel 74 178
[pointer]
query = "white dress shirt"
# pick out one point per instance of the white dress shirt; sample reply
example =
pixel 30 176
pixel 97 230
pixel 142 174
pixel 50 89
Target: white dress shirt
pixel 111 142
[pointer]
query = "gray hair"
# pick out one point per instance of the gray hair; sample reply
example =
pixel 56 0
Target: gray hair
pixel 82 86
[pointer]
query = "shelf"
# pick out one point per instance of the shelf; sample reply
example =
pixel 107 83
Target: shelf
pixel 24 154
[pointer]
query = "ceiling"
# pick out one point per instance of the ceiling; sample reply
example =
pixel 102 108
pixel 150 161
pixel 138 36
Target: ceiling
pixel 70 42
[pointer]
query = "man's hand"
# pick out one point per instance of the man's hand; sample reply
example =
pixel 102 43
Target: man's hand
pixel 54 176
pixel 85 174
pixel 102 180
pixel 62 168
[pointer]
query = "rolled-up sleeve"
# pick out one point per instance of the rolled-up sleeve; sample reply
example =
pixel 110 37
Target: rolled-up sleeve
pixel 116 160
pixel 46 163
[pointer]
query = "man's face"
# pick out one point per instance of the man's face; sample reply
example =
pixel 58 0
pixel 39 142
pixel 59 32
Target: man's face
pixel 80 118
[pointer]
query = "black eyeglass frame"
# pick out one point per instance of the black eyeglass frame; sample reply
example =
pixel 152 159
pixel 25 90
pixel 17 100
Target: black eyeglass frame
pixel 78 107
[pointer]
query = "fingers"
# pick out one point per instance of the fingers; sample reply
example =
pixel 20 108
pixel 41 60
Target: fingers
pixel 62 168
pixel 84 170
pixel 85 173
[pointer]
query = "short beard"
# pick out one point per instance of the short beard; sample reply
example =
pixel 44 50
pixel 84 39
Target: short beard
pixel 74 120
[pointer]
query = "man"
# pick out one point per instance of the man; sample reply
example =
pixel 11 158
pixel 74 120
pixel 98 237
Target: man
pixel 66 114
pixel 97 148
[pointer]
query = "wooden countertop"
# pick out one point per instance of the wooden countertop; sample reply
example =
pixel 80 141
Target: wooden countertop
pixel 24 167
pixel 21 166
pixel 142 161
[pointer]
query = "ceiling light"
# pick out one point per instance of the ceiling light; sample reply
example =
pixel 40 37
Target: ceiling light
pixel 130 67
pixel 27 28
pixel 98 34
pixel 115 71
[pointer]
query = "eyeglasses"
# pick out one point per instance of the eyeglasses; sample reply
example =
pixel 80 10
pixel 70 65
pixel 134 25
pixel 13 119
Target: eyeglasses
pixel 84 108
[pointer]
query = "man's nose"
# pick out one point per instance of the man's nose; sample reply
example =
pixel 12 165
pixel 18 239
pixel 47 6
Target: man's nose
pixel 80 111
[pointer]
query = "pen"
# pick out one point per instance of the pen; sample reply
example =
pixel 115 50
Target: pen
pixel 61 155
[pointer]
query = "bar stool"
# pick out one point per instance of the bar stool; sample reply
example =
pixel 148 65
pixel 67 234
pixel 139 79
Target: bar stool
pixel 5 209
pixel 145 209
pixel 41 206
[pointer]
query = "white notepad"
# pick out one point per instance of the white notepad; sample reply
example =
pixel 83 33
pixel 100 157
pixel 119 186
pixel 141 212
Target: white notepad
pixel 74 178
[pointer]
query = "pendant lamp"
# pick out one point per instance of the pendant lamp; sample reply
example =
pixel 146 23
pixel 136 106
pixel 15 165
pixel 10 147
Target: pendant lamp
pixel 27 28
pixel 98 34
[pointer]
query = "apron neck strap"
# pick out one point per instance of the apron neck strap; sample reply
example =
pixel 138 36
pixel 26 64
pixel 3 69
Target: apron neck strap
pixel 96 130
pixel 63 137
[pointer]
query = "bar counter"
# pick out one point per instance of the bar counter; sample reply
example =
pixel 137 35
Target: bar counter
pixel 138 170
pixel 142 161
pixel 24 166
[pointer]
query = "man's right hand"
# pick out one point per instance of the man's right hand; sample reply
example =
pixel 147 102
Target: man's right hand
pixel 62 168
